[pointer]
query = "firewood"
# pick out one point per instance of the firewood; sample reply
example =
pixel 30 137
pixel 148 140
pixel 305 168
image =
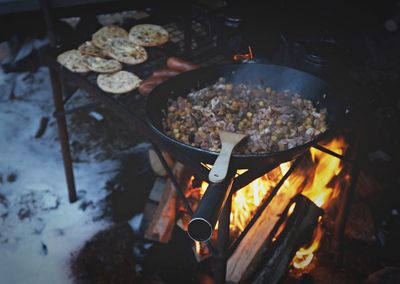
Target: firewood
pixel 298 231
pixel 154 199
pixel 148 213
pixel 249 248
pixel 157 190
pixel 162 224
pixel 156 164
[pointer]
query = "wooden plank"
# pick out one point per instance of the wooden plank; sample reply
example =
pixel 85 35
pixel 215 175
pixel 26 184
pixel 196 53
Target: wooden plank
pixel 156 164
pixel 163 222
pixel 157 190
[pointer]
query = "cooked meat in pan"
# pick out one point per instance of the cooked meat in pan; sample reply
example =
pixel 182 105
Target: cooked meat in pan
pixel 273 121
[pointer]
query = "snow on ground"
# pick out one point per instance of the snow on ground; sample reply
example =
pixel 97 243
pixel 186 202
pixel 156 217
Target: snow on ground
pixel 39 228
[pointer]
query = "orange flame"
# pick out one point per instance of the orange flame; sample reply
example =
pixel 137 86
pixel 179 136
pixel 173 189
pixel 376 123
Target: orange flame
pixel 305 255
pixel 318 189
pixel 327 167
pixel 245 56
pixel 321 193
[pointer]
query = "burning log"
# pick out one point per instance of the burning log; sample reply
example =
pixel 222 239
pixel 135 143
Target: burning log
pixel 247 254
pixel 297 232
pixel 163 221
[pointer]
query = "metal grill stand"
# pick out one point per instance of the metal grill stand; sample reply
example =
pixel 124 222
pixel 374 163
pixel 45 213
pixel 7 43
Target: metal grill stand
pixel 224 250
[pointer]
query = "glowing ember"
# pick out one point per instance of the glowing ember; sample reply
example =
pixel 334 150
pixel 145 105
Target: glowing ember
pixel 245 56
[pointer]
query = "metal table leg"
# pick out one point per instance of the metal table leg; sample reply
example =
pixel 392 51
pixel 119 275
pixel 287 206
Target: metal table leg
pixel 221 256
pixel 63 134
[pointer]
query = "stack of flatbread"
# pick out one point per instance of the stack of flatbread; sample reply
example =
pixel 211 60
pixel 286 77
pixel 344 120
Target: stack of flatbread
pixel 109 49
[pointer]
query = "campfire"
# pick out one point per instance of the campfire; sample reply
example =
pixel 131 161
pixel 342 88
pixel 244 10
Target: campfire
pixel 316 179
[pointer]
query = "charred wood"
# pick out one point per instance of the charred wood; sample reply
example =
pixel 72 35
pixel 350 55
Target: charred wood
pixel 248 252
pixel 297 232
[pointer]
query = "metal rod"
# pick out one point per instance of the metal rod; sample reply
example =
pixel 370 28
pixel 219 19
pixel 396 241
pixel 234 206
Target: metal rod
pixel 63 135
pixel 68 97
pixel 221 257
pixel 334 154
pixel 261 208
pixel 45 7
pixel 174 181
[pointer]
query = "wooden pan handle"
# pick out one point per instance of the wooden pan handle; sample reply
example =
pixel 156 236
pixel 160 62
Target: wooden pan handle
pixel 220 168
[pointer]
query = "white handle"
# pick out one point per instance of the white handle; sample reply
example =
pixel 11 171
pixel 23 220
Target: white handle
pixel 220 168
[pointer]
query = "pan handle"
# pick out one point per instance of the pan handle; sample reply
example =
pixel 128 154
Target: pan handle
pixel 220 167
pixel 202 225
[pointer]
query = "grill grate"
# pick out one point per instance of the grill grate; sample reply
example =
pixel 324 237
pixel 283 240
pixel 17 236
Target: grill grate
pixel 203 49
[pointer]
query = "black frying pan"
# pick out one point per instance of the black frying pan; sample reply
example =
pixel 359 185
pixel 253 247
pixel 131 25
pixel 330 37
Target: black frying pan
pixel 279 78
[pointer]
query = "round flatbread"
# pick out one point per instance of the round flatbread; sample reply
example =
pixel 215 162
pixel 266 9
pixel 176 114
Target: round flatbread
pixel 126 52
pixel 73 60
pixel 123 45
pixel 118 83
pixel 148 35
pixel 88 48
pixel 102 65
pixel 107 33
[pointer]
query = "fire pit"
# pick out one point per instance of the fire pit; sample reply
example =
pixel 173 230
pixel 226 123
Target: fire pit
pixel 256 225
pixel 259 205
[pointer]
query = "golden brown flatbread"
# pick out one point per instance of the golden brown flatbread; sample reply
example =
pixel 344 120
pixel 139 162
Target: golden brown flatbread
pixel 73 60
pixel 119 82
pixel 148 35
pixel 107 33
pixel 102 65
pixel 88 48
pixel 125 51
